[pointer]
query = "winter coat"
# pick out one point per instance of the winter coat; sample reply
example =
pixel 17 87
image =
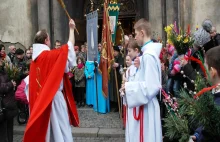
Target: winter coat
pixel 215 41
pixel 8 96
pixel 79 77
pixel 11 56
pixel 190 70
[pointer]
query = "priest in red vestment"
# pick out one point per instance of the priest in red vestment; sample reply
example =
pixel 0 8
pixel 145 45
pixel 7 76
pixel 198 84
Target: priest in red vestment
pixel 52 106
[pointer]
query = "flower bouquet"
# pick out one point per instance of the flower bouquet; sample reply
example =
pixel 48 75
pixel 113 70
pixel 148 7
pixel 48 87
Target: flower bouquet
pixel 180 39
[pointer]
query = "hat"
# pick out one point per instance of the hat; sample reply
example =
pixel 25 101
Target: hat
pixel 116 48
pixel 19 51
pixel 201 37
pixel 207 25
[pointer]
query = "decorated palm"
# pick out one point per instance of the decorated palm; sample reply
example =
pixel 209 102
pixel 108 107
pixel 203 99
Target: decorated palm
pixel 180 39
pixel 12 71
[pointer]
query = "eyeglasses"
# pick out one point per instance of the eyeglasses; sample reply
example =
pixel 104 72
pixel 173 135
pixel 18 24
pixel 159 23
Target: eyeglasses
pixel 14 49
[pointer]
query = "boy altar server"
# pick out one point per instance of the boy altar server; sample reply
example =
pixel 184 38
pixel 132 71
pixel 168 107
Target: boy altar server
pixel 141 93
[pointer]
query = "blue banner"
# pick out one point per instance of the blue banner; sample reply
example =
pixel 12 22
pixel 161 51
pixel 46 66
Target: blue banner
pixel 92 35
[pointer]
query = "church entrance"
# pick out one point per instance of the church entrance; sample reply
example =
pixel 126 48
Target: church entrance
pixel 127 15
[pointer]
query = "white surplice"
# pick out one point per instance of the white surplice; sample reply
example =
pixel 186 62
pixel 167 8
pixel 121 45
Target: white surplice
pixel 142 91
pixel 59 128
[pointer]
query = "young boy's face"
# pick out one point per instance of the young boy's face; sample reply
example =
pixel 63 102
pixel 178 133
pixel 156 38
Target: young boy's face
pixel 132 53
pixel 212 73
pixel 139 37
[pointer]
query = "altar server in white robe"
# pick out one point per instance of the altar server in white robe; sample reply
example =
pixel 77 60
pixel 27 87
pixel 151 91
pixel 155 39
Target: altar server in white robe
pixel 144 123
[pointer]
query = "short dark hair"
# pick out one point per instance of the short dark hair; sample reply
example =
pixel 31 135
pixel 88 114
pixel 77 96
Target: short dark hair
pixel 144 25
pixel 57 41
pixel 133 45
pixel 40 37
pixel 213 58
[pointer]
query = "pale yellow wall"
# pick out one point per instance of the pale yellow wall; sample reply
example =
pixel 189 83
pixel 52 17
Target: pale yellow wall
pixel 15 22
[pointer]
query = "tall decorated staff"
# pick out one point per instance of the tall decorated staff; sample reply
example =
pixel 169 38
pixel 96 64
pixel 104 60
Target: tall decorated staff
pixel 67 13
pixel 92 35
pixel 121 41
pixel 107 57
pixel 92 40
pixel 113 9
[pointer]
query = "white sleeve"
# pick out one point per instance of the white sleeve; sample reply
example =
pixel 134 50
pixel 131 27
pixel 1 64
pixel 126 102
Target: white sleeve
pixel 141 92
pixel 26 89
pixel 71 61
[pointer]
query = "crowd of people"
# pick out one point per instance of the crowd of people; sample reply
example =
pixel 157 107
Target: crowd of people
pixel 178 70
pixel 20 60
pixel 149 68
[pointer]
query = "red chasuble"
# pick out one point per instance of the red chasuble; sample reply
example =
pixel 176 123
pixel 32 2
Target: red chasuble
pixel 46 74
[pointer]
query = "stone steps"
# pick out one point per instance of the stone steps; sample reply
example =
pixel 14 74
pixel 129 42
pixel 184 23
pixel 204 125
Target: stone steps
pixel 84 132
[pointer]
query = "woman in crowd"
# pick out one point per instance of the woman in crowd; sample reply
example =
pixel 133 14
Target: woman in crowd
pixel 80 82
pixel 8 107
pixel 4 56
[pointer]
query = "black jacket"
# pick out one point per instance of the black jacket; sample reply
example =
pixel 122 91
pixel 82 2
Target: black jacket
pixel 190 70
pixel 8 96
pixel 215 41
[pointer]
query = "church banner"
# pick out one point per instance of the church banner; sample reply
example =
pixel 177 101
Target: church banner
pixel 92 35
pixel 113 9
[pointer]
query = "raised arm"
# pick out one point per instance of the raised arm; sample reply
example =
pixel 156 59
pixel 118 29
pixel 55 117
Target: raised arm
pixel 71 34
pixel 71 53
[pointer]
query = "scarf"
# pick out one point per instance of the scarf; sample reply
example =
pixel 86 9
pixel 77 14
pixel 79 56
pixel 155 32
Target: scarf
pixel 80 66
pixel 3 55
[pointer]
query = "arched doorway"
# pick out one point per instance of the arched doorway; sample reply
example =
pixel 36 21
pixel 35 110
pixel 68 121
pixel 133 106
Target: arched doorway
pixel 128 13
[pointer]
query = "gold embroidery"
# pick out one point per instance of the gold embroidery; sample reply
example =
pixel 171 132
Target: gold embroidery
pixel 38 81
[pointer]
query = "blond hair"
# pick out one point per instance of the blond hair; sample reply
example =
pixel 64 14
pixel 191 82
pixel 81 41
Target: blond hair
pixel 144 25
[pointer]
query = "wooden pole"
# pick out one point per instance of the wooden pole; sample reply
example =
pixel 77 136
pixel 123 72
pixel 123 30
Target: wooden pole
pixel 64 8
pixel 116 81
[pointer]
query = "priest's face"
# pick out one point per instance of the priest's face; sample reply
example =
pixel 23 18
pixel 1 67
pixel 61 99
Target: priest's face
pixel 139 37
pixel 47 40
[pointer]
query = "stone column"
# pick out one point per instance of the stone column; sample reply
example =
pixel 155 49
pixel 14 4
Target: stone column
pixel 60 22
pixel 170 11
pixel 155 17
pixel 43 15
pixel 146 9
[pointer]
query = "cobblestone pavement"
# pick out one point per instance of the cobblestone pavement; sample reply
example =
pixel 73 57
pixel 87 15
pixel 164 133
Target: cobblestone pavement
pixel 18 138
pixel 90 119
